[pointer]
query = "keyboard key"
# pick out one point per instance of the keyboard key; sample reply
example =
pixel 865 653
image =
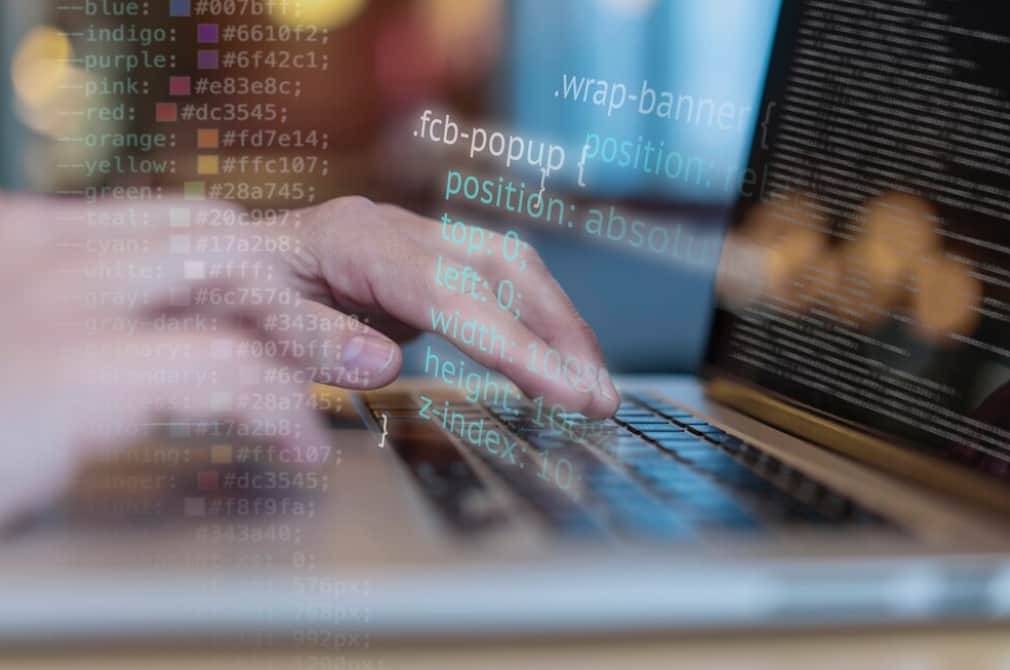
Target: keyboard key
pixel 782 493
pixel 653 471
pixel 710 431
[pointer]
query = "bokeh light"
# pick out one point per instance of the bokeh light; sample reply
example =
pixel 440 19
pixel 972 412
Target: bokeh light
pixel 327 14
pixel 41 66
pixel 947 298
pixel 51 96
pixel 466 34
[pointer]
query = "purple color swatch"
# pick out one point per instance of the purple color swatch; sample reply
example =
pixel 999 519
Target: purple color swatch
pixel 208 33
pixel 207 59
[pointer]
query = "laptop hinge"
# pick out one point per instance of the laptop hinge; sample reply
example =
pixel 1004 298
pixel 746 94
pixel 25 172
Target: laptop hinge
pixel 898 461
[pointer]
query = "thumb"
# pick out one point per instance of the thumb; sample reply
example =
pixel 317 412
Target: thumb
pixel 369 360
pixel 348 353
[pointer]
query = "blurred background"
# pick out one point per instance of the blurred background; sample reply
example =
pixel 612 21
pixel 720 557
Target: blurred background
pixel 491 63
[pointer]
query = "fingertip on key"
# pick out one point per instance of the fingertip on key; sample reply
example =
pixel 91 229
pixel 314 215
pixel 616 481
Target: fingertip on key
pixel 608 399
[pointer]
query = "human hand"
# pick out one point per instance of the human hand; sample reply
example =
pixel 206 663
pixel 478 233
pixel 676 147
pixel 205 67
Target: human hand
pixel 118 322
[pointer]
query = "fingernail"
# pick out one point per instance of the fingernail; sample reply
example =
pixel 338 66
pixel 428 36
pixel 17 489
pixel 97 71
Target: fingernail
pixel 607 388
pixel 373 353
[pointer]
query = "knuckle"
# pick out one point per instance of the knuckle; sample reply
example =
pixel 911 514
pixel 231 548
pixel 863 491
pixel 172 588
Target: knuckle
pixel 351 207
pixel 343 214
pixel 343 228
pixel 390 209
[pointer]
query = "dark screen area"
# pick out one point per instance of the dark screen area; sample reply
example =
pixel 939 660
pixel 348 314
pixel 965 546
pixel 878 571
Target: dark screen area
pixel 866 275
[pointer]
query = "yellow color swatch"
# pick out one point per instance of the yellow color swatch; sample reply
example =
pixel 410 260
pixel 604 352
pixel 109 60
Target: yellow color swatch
pixel 207 164
pixel 221 454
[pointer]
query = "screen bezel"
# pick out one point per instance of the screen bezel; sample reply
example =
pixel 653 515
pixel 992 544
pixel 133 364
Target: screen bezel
pixel 886 450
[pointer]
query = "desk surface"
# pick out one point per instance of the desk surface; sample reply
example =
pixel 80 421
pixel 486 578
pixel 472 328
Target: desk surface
pixel 894 650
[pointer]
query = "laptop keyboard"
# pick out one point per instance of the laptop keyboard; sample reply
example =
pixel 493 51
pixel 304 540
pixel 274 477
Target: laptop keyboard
pixel 652 471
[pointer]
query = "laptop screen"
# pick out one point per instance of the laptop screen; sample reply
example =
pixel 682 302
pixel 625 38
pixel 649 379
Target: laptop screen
pixel 866 272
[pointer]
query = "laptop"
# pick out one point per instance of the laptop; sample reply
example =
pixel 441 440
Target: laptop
pixel 841 459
